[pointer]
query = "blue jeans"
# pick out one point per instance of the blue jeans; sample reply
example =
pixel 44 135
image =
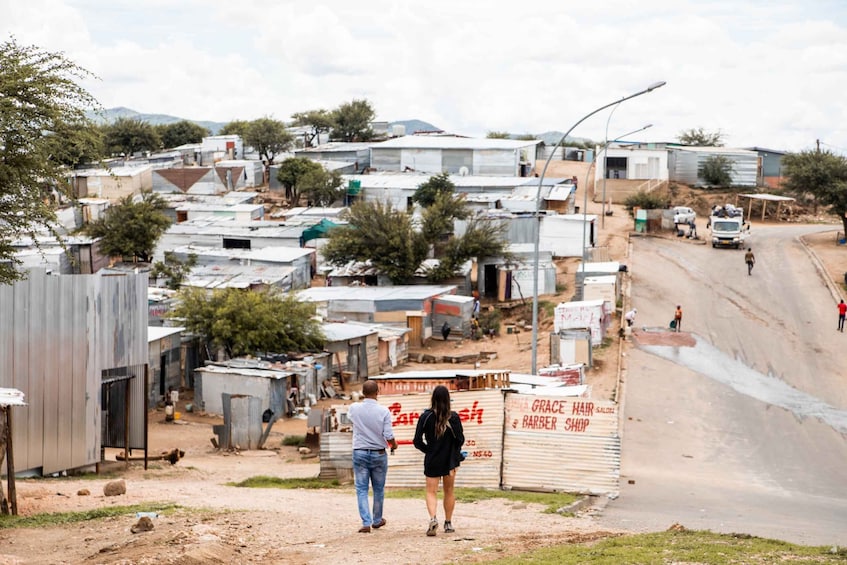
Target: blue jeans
pixel 370 468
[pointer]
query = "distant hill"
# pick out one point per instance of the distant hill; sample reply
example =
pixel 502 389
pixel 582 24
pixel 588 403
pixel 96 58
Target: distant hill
pixel 553 137
pixel 414 125
pixel 112 114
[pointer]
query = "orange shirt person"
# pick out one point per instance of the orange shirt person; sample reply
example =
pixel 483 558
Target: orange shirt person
pixel 677 316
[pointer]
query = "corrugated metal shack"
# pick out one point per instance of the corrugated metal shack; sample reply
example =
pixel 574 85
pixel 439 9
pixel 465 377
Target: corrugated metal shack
pixel 76 346
pixel 404 306
pixel 248 377
pixel 593 315
pixel 165 354
pixel 456 311
pixel 597 269
pixel 354 348
pixel 458 155
pixel 685 164
pixel 298 259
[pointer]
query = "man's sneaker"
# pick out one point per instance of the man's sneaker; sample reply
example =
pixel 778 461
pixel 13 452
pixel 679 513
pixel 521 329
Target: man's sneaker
pixel 433 525
pixel 448 527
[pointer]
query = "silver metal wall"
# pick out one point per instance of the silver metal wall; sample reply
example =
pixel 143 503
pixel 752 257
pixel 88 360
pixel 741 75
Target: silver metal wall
pixel 57 335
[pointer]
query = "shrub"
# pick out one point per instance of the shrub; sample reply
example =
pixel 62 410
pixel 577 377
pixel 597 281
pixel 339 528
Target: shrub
pixel 646 201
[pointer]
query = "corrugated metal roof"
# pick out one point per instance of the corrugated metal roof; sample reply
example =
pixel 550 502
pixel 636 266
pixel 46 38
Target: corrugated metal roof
pixel 337 146
pixel 404 292
pixel 411 181
pixel 11 397
pixel 155 333
pixel 716 150
pixel 236 276
pixel 335 331
pixel 271 254
pixel 427 142
pixel 233 369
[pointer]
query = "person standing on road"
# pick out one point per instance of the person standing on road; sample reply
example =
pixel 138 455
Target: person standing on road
pixel 440 436
pixel 750 259
pixel 842 312
pixel 677 317
pixel 371 432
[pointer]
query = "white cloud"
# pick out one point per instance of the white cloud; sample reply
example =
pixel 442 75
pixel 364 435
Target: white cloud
pixel 770 74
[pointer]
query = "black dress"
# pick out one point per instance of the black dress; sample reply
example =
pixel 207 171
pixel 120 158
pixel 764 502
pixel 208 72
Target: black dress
pixel 441 455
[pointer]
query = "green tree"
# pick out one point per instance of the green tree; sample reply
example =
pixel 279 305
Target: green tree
pixel 498 135
pixel 173 270
pixel 818 177
pixel 246 322
pixel 131 229
pixel 427 191
pixel 268 137
pixel 75 144
pixel 180 133
pixel 235 127
pixel 482 238
pixel 378 233
pixel 389 240
pixel 128 136
pixel 291 171
pixel 352 121
pixel 321 187
pixel 320 121
pixel 40 106
pixel 717 170
pixel 700 138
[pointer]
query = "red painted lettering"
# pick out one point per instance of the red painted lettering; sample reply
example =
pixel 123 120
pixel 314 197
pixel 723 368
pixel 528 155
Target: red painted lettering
pixel 583 408
pixel 576 424
pixel 472 413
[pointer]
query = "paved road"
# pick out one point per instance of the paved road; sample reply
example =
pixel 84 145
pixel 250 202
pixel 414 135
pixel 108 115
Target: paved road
pixel 744 432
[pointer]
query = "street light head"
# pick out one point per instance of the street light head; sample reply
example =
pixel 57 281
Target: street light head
pixel 647 126
pixel 656 85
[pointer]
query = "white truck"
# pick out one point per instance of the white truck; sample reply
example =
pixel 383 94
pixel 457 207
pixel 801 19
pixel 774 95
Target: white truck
pixel 727 226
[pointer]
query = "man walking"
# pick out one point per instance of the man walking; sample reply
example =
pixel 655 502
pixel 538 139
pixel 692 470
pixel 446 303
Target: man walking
pixel 750 259
pixel 842 312
pixel 371 432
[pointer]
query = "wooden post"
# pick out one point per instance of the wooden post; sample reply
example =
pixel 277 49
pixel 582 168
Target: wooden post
pixel 749 209
pixel 10 463
pixel 126 420
pixel 764 207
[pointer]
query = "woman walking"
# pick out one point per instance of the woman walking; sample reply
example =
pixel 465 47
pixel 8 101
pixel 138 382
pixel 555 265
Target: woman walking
pixel 440 436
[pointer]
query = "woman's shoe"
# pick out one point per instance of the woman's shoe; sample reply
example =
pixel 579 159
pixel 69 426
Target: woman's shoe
pixel 433 525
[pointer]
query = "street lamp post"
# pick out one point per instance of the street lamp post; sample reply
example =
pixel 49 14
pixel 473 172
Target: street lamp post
pixel 650 88
pixel 605 168
pixel 588 173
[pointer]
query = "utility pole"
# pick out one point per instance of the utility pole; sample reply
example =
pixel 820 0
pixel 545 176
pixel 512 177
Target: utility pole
pixel 818 143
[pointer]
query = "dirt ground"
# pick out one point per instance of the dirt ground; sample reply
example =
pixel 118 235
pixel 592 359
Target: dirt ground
pixel 217 523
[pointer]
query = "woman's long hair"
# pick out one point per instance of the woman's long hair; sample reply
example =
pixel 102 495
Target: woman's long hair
pixel 441 409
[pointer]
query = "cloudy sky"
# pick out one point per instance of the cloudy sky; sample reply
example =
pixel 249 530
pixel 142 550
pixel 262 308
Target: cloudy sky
pixel 765 73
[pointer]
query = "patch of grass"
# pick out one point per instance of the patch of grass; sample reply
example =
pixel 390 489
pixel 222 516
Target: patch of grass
pixel 547 307
pixel 294 440
pixel 553 501
pixel 264 481
pixel 679 547
pixel 60 518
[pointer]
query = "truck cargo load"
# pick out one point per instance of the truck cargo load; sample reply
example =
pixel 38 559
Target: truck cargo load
pixel 727 225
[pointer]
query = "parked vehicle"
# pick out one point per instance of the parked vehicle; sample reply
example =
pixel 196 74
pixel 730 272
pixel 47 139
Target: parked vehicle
pixel 727 226
pixel 683 215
